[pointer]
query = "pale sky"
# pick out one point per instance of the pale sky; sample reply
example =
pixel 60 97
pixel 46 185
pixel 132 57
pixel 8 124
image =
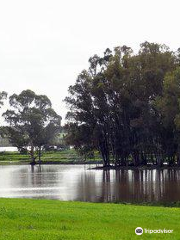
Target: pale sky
pixel 44 44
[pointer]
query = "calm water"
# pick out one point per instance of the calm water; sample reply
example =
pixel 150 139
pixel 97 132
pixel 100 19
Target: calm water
pixel 77 183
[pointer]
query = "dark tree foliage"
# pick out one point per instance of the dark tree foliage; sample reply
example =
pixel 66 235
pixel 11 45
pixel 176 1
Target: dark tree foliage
pixel 32 122
pixel 127 106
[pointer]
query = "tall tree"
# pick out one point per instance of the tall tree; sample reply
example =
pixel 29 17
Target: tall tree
pixel 169 109
pixel 114 101
pixel 32 121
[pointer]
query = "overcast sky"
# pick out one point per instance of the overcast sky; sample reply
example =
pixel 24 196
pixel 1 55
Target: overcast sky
pixel 45 44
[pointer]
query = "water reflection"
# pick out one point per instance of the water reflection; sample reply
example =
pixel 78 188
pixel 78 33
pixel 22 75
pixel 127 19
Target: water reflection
pixel 71 182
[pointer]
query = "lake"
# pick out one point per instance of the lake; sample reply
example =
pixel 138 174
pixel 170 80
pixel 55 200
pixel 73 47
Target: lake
pixel 77 183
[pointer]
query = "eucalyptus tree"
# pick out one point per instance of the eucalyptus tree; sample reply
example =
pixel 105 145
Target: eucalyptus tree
pixel 32 121
pixel 149 67
pixel 168 105
pixel 114 106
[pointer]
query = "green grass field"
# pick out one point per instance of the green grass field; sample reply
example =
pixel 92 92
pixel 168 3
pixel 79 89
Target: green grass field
pixel 66 156
pixel 22 219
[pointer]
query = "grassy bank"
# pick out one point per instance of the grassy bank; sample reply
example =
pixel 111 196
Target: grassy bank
pixel 50 219
pixel 64 157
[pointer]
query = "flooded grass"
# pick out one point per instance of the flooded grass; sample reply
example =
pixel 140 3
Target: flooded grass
pixel 65 156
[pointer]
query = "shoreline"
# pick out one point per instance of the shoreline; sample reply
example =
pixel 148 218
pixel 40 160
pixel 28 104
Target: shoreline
pixel 152 167
pixel 136 167
pixel 175 204
pixel 48 163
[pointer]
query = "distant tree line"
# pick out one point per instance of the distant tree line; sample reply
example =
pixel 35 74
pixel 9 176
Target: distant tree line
pixel 127 106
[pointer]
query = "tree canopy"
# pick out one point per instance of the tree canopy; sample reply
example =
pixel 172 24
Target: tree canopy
pixel 127 106
pixel 32 121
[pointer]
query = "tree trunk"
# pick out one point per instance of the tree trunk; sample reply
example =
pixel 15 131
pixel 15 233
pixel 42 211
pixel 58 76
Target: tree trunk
pixel 33 162
pixel 143 159
pixel 39 155
pixel 159 160
pixel 178 155
pixel 136 157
